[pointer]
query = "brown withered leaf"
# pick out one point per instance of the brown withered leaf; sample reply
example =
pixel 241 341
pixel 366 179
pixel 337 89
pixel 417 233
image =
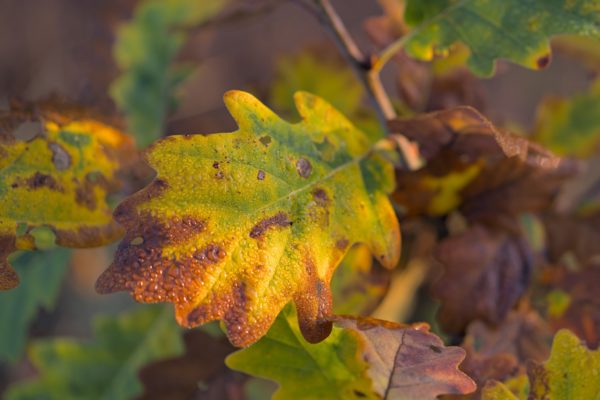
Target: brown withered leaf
pixel 485 273
pixel 200 373
pixel 571 301
pixel 408 362
pixel 491 176
pixel 565 234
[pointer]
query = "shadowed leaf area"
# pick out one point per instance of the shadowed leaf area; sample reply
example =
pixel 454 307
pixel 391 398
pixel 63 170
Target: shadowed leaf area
pixel 42 274
pixel 571 372
pixel 199 374
pixel 55 174
pixel 489 175
pixel 519 30
pixel 363 358
pixel 103 368
pixel 236 225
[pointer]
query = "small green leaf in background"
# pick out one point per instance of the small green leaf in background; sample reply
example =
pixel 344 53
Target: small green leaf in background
pixel 42 274
pixel 517 30
pixel 144 50
pixel 106 367
pixel 327 78
pixel 571 373
pixel 319 75
pixel 364 358
pixel 570 127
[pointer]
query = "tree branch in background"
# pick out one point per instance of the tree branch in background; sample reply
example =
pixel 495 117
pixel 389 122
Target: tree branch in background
pixel 367 70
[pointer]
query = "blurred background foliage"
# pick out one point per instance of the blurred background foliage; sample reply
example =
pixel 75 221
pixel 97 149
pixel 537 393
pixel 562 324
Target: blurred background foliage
pixel 160 68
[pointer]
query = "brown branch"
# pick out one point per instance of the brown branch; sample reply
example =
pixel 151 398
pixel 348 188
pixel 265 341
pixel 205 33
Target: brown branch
pixel 364 68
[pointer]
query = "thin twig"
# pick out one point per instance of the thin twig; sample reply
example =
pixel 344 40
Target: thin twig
pixel 366 70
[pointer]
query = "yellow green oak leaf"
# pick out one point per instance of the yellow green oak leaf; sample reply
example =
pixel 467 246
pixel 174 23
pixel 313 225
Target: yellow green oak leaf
pixel 235 225
pixel 571 372
pixel 55 174
pixel 570 127
pixel 364 358
pixel 517 30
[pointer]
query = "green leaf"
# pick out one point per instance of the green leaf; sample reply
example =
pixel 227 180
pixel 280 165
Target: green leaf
pixel 238 224
pixel 570 127
pixel 318 75
pixel 105 368
pixel 571 372
pixel 145 49
pixel 517 30
pixel 366 359
pixel 42 274
pixel 54 184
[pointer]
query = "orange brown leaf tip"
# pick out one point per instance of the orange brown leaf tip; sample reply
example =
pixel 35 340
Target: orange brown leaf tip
pixel 236 225
pixel 56 171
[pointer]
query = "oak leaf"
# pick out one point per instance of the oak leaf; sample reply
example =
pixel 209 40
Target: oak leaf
pixel 490 266
pixel 55 173
pixel 364 358
pixel 571 372
pixel 492 29
pixel 237 224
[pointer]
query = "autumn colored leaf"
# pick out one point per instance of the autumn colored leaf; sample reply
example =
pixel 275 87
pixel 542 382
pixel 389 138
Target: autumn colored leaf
pixel 359 284
pixel 490 266
pixel 42 274
pixel 571 372
pixel 363 358
pixel 495 29
pixel 55 174
pixel 501 353
pixel 570 126
pixel 144 49
pixel 237 224
pixel 106 367
pixel 200 373
pixel 489 175
pixel 569 299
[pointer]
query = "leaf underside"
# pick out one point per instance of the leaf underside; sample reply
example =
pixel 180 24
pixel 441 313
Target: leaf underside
pixel 236 225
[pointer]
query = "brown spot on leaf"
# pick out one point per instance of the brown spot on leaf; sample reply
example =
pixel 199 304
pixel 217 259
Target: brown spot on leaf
pixel 278 220
pixel 219 175
pixel 321 197
pixel 216 165
pixel 60 157
pixel 8 277
pixel 543 61
pixel 303 167
pixel 342 244
pixel 39 180
pixel 265 140
pixel 261 175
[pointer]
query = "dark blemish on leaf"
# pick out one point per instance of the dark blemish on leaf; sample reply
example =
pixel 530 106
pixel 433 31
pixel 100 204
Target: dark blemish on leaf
pixel 216 165
pixel 85 196
pixel 261 175
pixel 39 180
pixel 543 61
pixel 278 220
pixel 60 157
pixel 342 244
pixel 360 394
pixel 435 349
pixel 14 185
pixel 219 175
pixel 320 197
pixel 303 167
pixel 265 140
